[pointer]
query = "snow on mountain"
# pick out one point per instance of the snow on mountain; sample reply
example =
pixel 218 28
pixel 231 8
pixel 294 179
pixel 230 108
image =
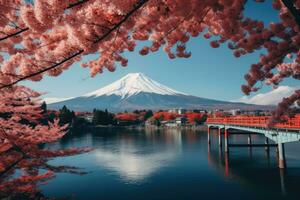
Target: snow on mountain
pixel 132 84
pixel 272 97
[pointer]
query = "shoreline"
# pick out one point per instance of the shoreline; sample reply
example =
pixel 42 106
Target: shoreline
pixel 150 127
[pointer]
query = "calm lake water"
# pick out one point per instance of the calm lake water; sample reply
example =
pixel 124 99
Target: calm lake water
pixel 172 164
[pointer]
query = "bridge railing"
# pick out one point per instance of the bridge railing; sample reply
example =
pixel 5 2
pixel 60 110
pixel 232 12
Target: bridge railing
pixel 255 121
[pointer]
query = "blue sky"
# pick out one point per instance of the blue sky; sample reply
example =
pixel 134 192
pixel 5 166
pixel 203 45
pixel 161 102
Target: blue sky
pixel 210 73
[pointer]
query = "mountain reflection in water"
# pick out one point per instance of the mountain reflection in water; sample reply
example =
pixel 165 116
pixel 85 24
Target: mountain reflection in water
pixel 134 164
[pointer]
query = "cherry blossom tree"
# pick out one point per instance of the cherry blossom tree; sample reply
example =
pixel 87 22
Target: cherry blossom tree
pixel 46 37
pixel 21 137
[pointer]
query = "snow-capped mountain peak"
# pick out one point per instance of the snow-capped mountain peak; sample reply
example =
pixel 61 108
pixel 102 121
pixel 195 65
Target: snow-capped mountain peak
pixel 136 91
pixel 132 84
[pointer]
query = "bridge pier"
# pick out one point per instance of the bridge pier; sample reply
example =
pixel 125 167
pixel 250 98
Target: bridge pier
pixel 208 136
pixel 249 139
pixel 220 137
pixel 226 141
pixel 267 144
pixel 281 155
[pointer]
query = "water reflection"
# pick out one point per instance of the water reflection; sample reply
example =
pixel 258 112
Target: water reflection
pixel 258 171
pixel 135 164
pixel 282 181
pixel 174 164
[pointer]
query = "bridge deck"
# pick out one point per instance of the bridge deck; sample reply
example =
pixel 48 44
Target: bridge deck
pixel 288 131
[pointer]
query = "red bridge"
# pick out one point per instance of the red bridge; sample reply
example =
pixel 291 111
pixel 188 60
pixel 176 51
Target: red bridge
pixel 256 121
pixel 280 133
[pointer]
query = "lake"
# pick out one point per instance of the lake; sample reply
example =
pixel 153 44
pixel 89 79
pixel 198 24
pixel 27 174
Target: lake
pixel 172 164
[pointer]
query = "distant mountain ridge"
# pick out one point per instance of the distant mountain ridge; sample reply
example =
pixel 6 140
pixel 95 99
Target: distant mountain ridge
pixel 137 91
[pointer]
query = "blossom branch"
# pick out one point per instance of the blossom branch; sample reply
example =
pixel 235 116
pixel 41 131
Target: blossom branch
pixel 81 51
pixel 27 29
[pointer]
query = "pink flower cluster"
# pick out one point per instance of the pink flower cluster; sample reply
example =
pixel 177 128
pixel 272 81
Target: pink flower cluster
pixel 57 30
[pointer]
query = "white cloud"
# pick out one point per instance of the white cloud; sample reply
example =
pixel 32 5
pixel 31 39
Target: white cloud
pixel 269 98
pixel 50 100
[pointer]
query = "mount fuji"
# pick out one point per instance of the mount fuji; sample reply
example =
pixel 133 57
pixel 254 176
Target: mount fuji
pixel 137 91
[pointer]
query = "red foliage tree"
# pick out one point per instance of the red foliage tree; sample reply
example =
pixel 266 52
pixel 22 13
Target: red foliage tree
pixel 194 118
pixel 129 117
pixel 165 115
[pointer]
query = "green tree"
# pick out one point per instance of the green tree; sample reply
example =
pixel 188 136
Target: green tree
pixel 65 115
pixel 197 121
pixel 102 117
pixel 148 114
pixel 44 107
pixel 157 122
pixel 51 116
pixel 136 112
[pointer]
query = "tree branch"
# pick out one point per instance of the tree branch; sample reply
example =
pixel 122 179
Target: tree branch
pixel 127 16
pixel 44 70
pixel 10 167
pixel 76 4
pixel 14 34
pixel 291 7
pixel 137 6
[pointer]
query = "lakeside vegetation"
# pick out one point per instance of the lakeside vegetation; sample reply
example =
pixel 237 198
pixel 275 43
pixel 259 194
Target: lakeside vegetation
pixel 175 118
pixel 137 118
